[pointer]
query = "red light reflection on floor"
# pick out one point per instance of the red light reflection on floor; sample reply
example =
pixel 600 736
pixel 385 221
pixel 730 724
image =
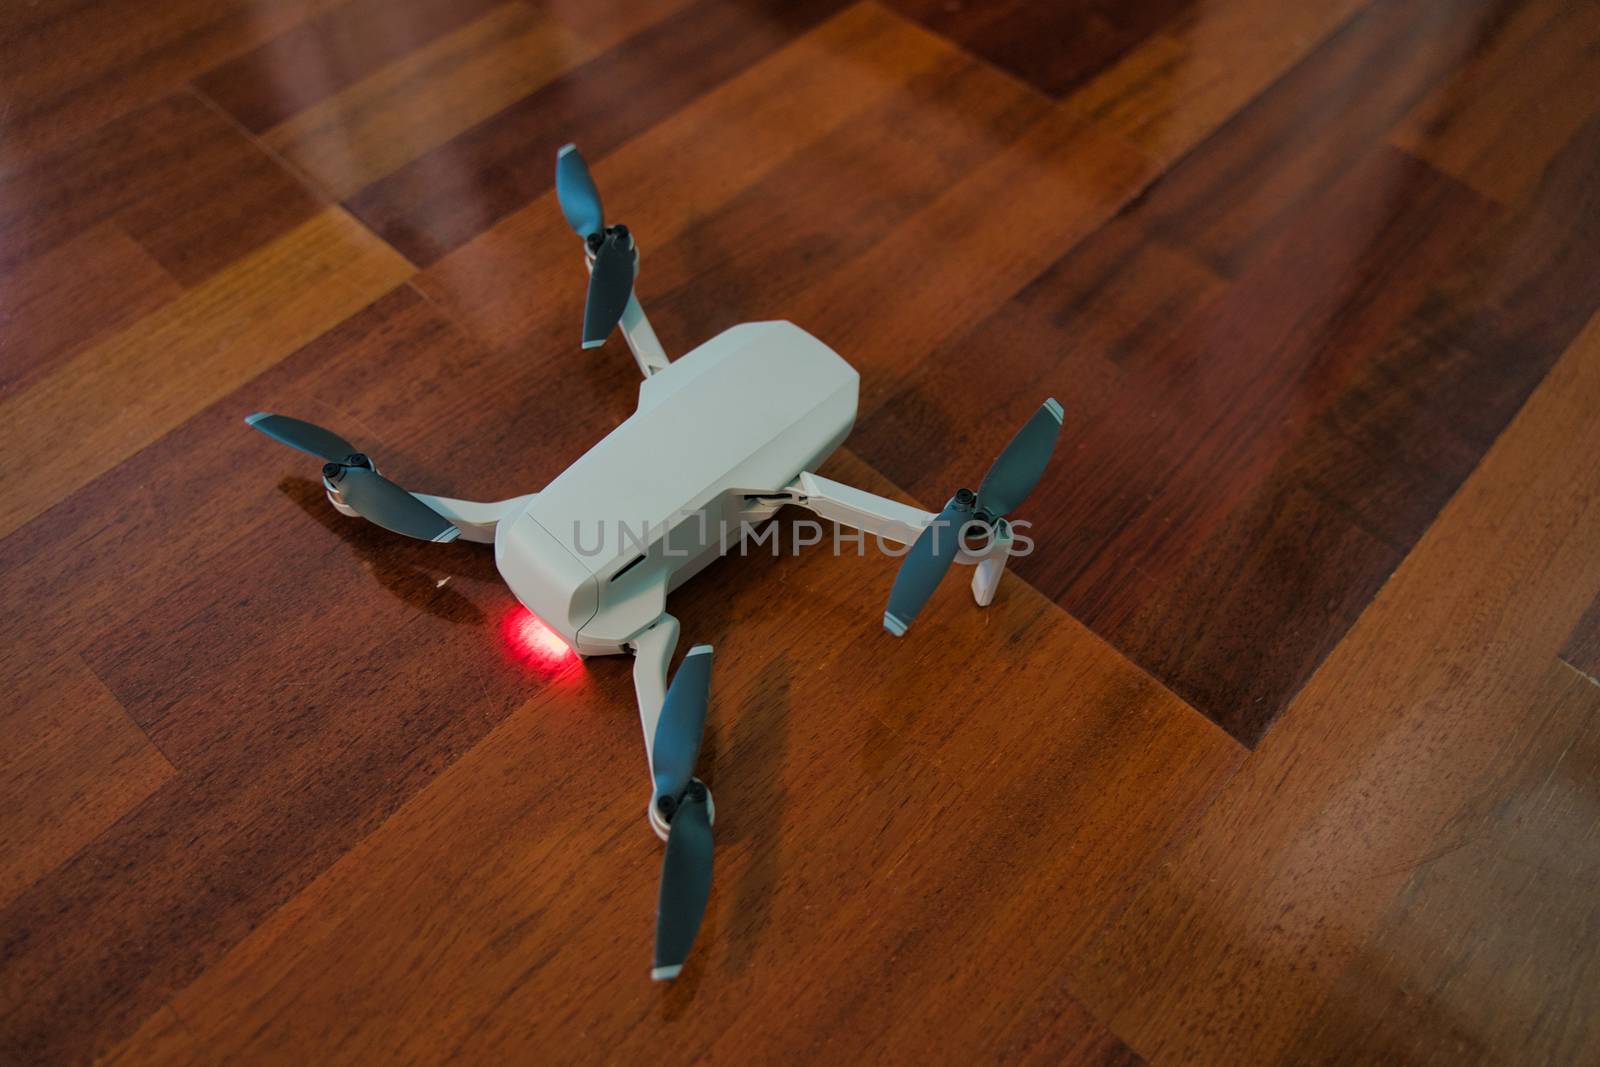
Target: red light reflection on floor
pixel 535 645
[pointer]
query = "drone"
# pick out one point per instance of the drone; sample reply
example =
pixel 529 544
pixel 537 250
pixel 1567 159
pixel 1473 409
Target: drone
pixel 722 438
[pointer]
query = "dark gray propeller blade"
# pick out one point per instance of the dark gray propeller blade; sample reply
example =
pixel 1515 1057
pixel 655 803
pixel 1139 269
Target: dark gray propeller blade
pixel 575 189
pixel 611 277
pixel 684 805
pixel 380 501
pixel 610 287
pixel 307 437
pixel 681 727
pixel 1010 479
pixel 1018 468
pixel 926 563
pixel 368 493
pixel 685 882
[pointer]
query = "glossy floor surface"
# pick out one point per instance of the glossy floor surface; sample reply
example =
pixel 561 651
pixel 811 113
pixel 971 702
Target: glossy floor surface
pixel 1283 748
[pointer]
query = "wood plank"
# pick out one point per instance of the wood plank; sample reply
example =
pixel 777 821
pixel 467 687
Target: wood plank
pixel 321 56
pixel 1242 934
pixel 327 673
pixel 830 770
pixel 58 302
pixel 1053 47
pixel 178 177
pixel 444 198
pixel 328 54
pixel 1197 71
pixel 1240 562
pixel 1177 520
pixel 351 139
pixel 52 100
pixel 1582 650
pixel 693 169
pixel 124 393
pixel 403 382
pixel 1487 954
pixel 1502 118
pixel 1277 157
pixel 984 237
pixel 167 1040
pixel 73 764
pixel 778 239
pixel 1004 837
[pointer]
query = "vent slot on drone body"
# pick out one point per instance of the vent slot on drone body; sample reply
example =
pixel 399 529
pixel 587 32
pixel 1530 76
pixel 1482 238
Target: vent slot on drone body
pixel 634 562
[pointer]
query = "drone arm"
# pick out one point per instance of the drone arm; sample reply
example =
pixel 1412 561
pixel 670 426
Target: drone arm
pixel 891 520
pixel 636 328
pixel 859 509
pixel 475 520
pixel 641 338
pixel 652 655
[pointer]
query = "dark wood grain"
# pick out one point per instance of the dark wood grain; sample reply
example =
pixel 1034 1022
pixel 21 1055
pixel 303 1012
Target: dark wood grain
pixel 1256 436
pixel 1488 943
pixel 452 193
pixel 810 909
pixel 1277 158
pixel 1054 47
pixel 1582 650
pixel 355 137
pixel 1424 706
pixel 1501 119
pixel 56 436
pixel 298 695
pixel 317 58
pixel 1277 748
pixel 1177 516
pixel 78 764
pixel 1196 72
pixel 62 299
pixel 176 176
pixel 71 67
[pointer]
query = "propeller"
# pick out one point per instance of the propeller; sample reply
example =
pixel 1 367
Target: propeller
pixel 367 493
pixel 611 277
pixel 684 804
pixel 1009 481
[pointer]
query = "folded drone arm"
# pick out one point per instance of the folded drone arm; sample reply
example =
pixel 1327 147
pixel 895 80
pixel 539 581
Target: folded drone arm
pixel 652 655
pixel 636 328
pixel 891 520
pixel 475 520
pixel 641 338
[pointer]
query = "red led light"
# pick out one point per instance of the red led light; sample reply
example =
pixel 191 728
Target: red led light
pixel 534 644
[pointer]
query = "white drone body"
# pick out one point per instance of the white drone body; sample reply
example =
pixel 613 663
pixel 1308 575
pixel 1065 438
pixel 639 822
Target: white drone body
pixel 722 439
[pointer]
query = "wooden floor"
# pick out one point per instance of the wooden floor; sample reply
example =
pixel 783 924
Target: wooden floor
pixel 1284 747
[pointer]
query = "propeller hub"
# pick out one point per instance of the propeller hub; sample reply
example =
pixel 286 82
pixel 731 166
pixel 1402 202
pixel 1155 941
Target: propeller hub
pixel 667 805
pixel 661 811
pixel 1011 478
pixel 334 471
pixel 977 529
